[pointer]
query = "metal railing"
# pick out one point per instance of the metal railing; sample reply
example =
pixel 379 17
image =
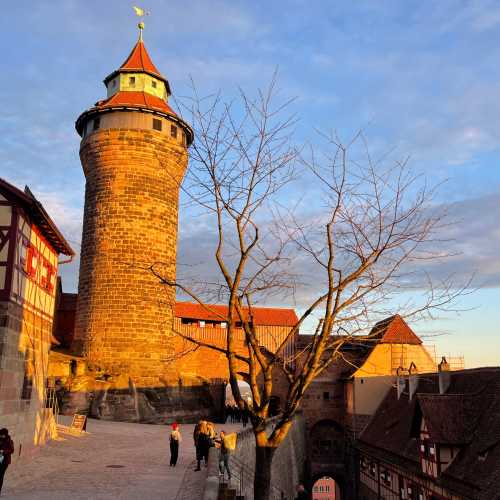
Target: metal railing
pixel 244 475
pixel 52 402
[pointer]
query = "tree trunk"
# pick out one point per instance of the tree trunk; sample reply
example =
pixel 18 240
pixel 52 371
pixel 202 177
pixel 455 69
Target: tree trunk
pixel 262 479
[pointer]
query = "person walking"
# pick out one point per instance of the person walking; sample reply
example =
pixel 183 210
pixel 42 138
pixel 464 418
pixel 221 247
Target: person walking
pixel 196 435
pixel 244 417
pixel 6 450
pixel 223 455
pixel 175 440
pixel 202 442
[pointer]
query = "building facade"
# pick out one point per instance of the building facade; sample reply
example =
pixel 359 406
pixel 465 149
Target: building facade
pixel 434 437
pixel 30 245
pixel 340 402
pixel 206 323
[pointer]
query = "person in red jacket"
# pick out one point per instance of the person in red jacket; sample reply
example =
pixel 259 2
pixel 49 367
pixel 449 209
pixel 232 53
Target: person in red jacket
pixel 6 450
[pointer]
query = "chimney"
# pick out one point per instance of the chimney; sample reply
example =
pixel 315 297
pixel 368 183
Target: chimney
pixel 413 380
pixel 444 375
pixel 400 381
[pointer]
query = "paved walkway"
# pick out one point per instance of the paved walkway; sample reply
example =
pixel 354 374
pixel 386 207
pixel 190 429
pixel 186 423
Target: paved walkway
pixel 115 460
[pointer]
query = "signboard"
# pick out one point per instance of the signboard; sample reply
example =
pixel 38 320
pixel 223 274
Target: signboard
pixel 79 422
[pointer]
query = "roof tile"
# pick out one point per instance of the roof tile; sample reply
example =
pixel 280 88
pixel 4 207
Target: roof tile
pixel 139 60
pixel 263 316
pixel 136 100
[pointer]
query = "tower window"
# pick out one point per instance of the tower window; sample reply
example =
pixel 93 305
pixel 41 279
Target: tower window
pixel 114 83
pixel 156 124
pixel 173 131
pixel 131 81
pixel 96 124
pixel 153 84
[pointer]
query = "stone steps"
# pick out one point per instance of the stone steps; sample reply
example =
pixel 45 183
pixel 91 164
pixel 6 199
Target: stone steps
pixel 227 493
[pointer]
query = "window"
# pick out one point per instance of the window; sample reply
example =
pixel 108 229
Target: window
pixel 113 84
pixel 96 124
pixel 131 81
pixel 27 380
pixel 156 124
pixel 223 324
pixel 326 395
pixel 173 131
pixel 153 84
pixel 385 475
pixel 202 324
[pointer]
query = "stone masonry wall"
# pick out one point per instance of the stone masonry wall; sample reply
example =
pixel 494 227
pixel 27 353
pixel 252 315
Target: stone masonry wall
pixel 288 467
pixel 24 348
pixel 124 316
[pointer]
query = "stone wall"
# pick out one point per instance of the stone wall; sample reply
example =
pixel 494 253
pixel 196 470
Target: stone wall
pixel 124 316
pixel 24 348
pixel 288 467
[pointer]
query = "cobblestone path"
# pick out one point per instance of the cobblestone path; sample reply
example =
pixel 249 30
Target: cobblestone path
pixel 115 460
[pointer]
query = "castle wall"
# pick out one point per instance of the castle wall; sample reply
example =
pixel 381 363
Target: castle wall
pixel 124 316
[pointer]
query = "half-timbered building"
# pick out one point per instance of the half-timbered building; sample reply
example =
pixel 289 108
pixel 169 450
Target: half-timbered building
pixel 30 245
pixel 434 437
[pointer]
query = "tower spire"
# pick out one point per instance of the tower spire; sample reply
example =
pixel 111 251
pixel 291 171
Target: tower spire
pixel 141 29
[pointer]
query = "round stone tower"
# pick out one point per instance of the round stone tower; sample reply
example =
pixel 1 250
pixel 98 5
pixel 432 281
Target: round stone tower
pixel 134 155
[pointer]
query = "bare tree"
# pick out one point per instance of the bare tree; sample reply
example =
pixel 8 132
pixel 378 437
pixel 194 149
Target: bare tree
pixel 365 239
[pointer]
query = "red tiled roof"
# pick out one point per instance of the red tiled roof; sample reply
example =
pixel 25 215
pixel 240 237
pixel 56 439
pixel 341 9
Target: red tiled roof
pixel 395 330
pixel 262 316
pixel 139 60
pixel 136 100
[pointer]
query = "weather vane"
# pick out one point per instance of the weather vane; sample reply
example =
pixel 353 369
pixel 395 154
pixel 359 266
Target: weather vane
pixel 140 13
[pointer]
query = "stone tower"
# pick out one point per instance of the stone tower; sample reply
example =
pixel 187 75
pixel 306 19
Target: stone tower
pixel 134 155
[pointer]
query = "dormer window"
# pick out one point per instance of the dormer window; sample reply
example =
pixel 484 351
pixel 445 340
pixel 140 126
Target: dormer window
pixel 131 81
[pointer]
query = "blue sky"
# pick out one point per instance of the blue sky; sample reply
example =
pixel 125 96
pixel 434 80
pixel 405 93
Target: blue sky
pixel 420 76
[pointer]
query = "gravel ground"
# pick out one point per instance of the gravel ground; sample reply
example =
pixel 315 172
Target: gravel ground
pixel 114 460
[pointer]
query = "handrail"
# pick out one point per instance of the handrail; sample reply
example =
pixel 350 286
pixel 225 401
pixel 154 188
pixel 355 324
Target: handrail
pixel 52 402
pixel 249 472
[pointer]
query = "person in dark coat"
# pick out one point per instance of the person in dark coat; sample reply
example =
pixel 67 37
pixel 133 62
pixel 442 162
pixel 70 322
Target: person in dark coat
pixel 301 493
pixel 175 439
pixel 202 442
pixel 6 450
pixel 244 417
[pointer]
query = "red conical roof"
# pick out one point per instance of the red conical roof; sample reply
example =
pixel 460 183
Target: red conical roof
pixel 139 60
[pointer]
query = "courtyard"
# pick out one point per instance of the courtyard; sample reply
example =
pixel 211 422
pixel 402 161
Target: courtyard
pixel 113 460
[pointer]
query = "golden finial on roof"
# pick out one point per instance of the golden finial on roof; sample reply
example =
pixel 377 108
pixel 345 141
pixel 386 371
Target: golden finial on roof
pixel 141 13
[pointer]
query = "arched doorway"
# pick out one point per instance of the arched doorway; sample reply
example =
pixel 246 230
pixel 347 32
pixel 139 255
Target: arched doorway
pixel 327 442
pixel 232 413
pixel 244 391
pixel 325 488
